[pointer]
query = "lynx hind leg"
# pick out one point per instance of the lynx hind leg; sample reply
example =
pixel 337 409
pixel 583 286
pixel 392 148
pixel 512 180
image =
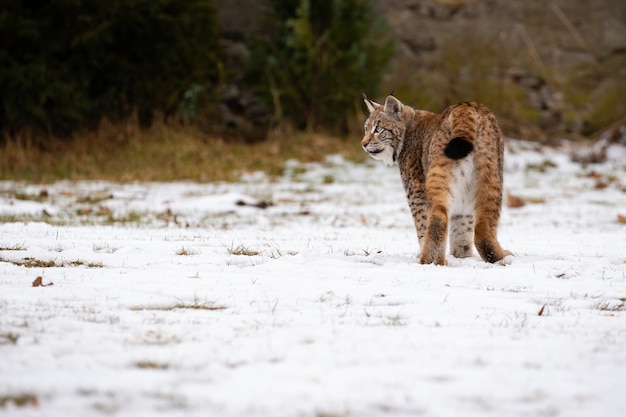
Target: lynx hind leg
pixel 487 218
pixel 461 235
pixel 487 244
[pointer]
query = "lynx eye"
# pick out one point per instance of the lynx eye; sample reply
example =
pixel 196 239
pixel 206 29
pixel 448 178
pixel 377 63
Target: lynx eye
pixel 378 129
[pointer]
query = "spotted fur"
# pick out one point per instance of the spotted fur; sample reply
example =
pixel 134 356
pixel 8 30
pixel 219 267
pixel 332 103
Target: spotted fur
pixel 451 169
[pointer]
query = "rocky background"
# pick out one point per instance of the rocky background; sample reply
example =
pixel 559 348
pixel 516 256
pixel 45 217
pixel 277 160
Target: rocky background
pixel 547 68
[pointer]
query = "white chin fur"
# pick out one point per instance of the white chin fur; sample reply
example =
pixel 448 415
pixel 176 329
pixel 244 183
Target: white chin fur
pixel 385 156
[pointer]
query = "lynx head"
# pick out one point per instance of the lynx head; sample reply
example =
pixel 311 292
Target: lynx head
pixel 384 130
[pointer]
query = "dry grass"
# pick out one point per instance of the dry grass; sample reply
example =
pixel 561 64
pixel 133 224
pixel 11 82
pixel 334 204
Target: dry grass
pixel 195 305
pixel 9 338
pixel 125 153
pixel 19 400
pixel 30 262
pixel 17 246
pixel 183 251
pixel 151 365
pixel 241 250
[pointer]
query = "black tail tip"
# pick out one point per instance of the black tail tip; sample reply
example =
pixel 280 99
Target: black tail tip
pixel 458 148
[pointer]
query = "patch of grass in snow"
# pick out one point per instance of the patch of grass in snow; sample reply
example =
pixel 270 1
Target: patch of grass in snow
pixel 332 414
pixel 106 248
pixel 241 250
pixel 542 167
pixel 386 319
pixel 130 217
pixel 612 305
pixel 84 216
pixel 396 320
pixel 17 246
pixel 158 338
pixel 19 400
pixel 364 252
pixel 199 306
pixel 295 172
pixel 95 198
pixel 78 262
pixel 39 197
pixel 15 218
pixel 103 215
pixel 194 305
pixel 30 262
pixel 328 179
pixel 277 253
pixel 183 251
pixel 150 365
pixel 8 338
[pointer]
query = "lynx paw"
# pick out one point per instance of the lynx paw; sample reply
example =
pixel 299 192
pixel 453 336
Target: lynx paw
pixel 506 260
pixel 432 259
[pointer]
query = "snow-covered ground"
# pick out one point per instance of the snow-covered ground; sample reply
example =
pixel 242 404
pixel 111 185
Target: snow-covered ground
pixel 302 296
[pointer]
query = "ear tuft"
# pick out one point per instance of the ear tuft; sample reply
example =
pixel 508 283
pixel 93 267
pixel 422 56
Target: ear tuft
pixel 371 106
pixel 394 107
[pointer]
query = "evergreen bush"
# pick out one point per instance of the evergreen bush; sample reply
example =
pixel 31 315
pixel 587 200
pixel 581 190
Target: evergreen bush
pixel 312 60
pixel 67 64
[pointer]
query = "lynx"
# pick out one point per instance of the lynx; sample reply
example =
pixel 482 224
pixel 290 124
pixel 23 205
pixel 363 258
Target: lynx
pixel 451 169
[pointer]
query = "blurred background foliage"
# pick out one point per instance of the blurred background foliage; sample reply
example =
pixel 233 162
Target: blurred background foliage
pixel 212 70
pixel 68 64
pixel 312 60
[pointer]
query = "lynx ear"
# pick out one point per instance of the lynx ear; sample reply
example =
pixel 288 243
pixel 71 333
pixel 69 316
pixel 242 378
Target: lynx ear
pixel 393 107
pixel 371 106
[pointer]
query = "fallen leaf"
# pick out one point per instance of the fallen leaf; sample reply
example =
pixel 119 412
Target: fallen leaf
pixel 104 211
pixel 514 201
pixel 38 282
pixel 621 219
pixel 600 185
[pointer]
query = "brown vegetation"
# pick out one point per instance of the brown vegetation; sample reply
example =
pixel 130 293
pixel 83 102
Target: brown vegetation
pixel 125 153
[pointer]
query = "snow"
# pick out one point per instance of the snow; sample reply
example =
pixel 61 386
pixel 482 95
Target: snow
pixel 186 299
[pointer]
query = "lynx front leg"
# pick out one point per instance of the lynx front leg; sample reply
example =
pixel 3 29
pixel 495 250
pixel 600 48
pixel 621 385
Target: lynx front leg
pixel 437 192
pixel 416 195
pixel 434 248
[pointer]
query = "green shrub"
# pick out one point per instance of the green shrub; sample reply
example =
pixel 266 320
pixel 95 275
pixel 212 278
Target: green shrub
pixel 475 71
pixel 312 60
pixel 595 95
pixel 67 64
pixel 608 104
